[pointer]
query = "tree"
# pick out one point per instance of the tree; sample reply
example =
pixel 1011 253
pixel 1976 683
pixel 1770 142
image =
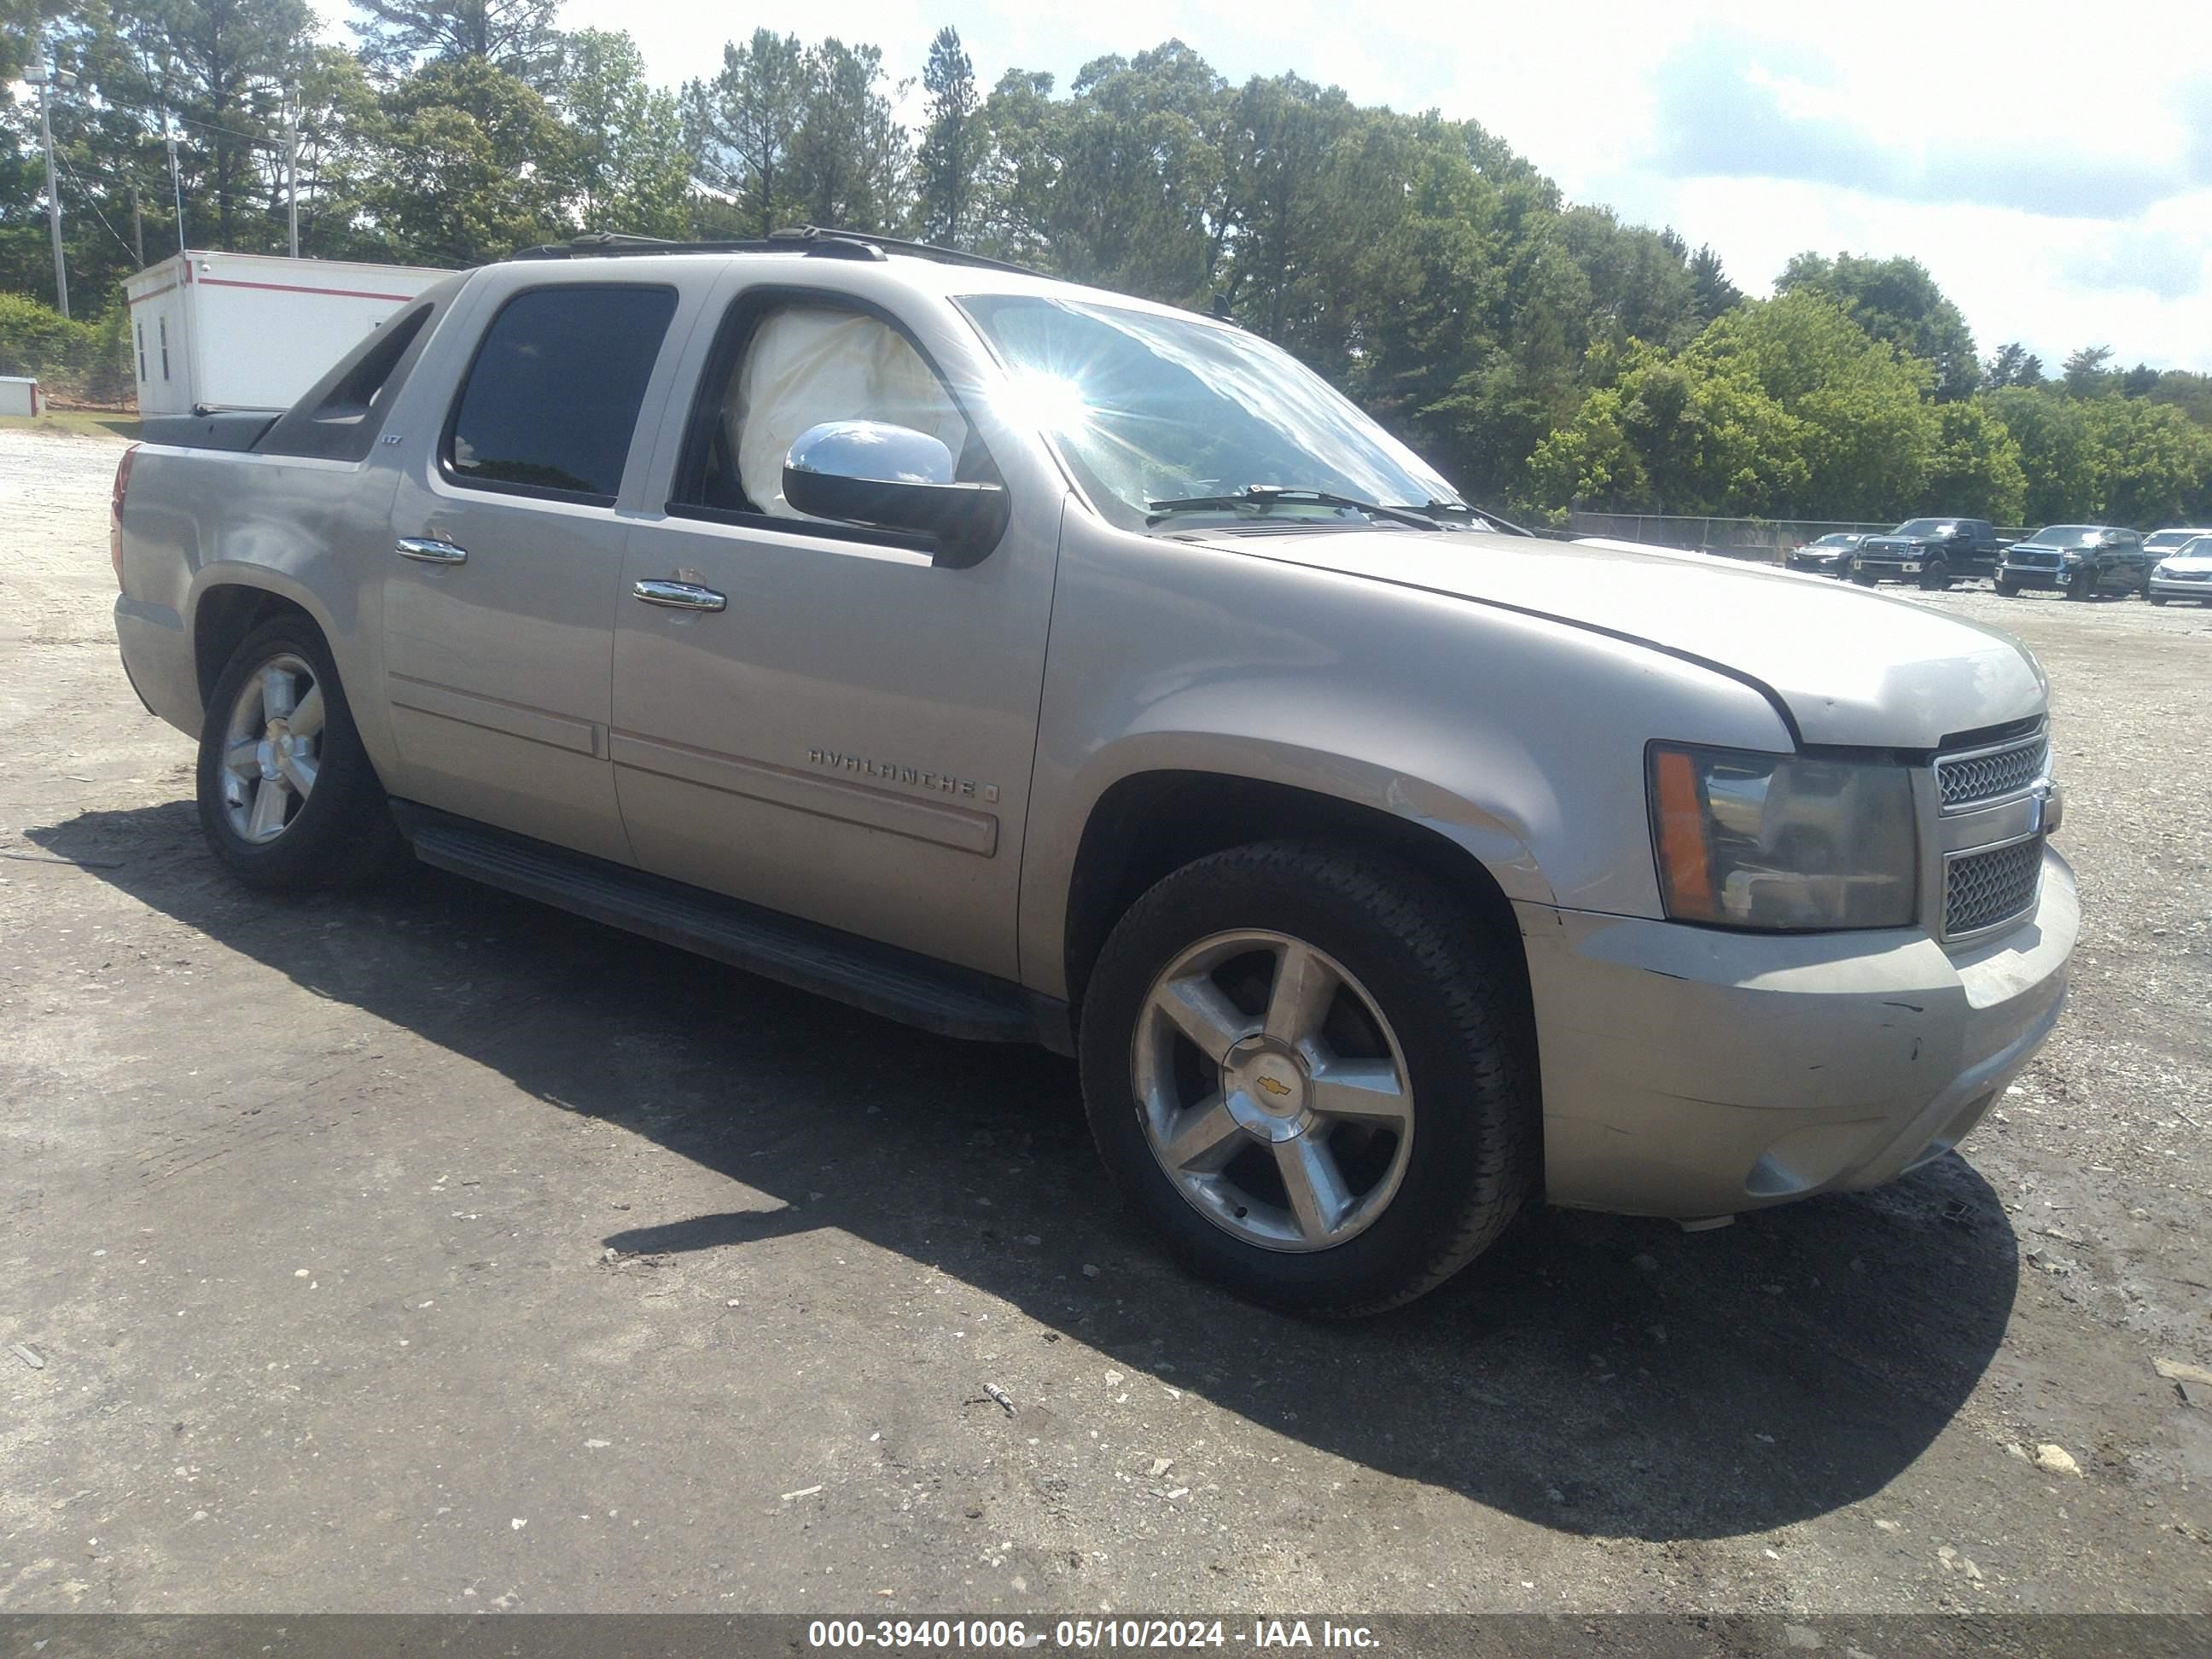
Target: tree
pixel 1896 300
pixel 1976 467
pixel 953 141
pixel 1640 283
pixel 1124 182
pixel 516 36
pixel 851 160
pixel 1714 292
pixel 2190 393
pixel 224 69
pixel 1676 434
pixel 2058 452
pixel 628 167
pixel 1869 436
pixel 2013 365
pixel 2085 374
pixel 739 127
pixel 472 166
pixel 2156 463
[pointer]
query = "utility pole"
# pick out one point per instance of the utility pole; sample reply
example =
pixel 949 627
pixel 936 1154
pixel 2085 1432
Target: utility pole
pixel 176 179
pixel 54 184
pixel 292 171
pixel 137 222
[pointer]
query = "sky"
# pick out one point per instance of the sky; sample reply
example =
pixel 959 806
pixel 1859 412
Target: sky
pixel 2050 163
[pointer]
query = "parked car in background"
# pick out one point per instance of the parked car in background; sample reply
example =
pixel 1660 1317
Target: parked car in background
pixel 2183 574
pixel 2078 560
pixel 1032 663
pixel 1934 552
pixel 2160 542
pixel 1830 555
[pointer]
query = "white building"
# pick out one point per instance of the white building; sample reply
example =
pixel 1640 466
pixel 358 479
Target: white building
pixel 252 331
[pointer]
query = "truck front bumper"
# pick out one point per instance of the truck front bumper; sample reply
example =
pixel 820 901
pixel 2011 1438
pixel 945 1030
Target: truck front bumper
pixel 1689 1072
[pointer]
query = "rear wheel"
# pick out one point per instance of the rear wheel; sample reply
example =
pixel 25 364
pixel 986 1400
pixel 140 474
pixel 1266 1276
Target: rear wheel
pixel 288 798
pixel 1309 1071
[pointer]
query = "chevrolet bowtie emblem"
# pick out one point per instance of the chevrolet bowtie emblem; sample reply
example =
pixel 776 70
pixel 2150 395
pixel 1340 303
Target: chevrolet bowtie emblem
pixel 1273 1087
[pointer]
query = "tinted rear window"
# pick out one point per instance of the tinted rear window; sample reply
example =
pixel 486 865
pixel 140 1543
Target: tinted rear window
pixel 552 398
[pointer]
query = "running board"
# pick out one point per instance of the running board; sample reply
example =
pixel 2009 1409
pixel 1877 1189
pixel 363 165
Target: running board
pixel 897 984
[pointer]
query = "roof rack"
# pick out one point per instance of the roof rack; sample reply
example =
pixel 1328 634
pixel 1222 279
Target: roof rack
pixel 817 241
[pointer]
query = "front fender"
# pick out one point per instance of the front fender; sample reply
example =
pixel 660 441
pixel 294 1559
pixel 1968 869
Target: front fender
pixel 1517 737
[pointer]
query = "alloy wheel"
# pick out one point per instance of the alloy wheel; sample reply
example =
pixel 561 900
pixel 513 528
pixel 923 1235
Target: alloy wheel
pixel 1273 1091
pixel 272 749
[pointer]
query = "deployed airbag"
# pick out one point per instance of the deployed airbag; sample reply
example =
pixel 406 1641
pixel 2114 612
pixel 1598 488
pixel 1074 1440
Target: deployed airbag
pixel 808 364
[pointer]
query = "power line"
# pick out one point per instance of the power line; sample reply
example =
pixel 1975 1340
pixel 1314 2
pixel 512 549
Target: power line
pixel 85 195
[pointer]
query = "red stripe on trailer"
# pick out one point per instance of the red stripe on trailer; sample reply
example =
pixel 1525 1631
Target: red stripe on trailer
pixel 288 288
pixel 151 293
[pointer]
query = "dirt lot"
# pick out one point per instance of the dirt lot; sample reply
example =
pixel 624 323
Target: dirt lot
pixel 429 1251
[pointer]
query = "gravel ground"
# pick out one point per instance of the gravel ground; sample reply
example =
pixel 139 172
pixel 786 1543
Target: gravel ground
pixel 429 1251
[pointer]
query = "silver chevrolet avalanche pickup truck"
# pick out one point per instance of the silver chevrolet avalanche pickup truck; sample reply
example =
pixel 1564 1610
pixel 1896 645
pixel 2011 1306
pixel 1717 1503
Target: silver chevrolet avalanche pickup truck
pixel 1032 663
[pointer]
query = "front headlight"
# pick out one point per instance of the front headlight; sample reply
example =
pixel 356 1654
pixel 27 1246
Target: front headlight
pixel 2160 569
pixel 2075 557
pixel 1748 840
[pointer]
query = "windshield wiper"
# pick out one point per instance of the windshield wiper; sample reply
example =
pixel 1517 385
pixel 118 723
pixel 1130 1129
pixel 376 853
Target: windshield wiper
pixel 1258 498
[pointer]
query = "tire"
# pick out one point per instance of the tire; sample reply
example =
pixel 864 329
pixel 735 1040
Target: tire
pixel 2155 598
pixel 336 832
pixel 1935 577
pixel 1416 982
pixel 1863 578
pixel 2085 590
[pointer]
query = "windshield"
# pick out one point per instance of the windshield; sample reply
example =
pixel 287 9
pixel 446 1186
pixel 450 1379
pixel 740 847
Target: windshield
pixel 1839 539
pixel 1923 528
pixel 2066 535
pixel 2196 547
pixel 1147 408
pixel 2163 541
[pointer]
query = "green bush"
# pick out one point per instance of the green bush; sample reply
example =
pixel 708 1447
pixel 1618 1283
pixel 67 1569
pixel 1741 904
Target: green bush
pixel 80 360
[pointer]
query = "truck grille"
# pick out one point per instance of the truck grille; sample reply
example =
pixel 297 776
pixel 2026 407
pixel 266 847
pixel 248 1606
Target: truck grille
pixel 1974 778
pixel 1981 890
pixel 2032 561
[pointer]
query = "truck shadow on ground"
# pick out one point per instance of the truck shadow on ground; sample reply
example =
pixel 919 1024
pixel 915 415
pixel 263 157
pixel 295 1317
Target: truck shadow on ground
pixel 1595 1374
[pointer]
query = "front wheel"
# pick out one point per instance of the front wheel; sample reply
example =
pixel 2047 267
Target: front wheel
pixel 1309 1072
pixel 287 796
pixel 2007 590
pixel 1863 578
pixel 2084 588
pixel 2155 598
pixel 1936 577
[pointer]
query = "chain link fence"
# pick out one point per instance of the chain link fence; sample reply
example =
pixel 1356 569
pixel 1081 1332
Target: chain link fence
pixel 1766 540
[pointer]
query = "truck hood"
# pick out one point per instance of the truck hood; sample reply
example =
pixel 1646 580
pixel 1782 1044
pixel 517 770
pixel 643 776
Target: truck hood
pixel 1849 666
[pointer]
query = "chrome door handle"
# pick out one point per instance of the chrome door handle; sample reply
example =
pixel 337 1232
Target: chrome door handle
pixel 677 596
pixel 430 552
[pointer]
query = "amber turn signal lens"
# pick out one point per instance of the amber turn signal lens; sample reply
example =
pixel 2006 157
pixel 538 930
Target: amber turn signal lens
pixel 1683 862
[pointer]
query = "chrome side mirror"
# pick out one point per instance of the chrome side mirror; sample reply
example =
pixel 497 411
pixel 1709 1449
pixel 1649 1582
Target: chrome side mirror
pixel 893 477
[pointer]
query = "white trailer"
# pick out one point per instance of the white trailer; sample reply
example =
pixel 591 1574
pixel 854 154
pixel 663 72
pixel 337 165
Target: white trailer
pixel 251 330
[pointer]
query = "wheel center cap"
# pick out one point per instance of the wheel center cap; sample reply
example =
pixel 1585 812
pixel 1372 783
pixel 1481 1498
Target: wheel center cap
pixel 1266 1089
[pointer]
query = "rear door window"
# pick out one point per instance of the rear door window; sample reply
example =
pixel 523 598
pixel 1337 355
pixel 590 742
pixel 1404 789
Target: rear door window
pixel 551 401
